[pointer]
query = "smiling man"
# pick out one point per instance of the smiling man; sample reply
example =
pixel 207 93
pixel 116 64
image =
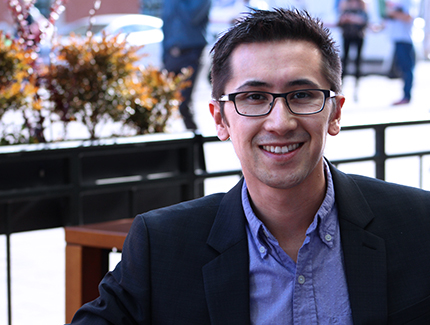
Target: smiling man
pixel 280 141
pixel 295 241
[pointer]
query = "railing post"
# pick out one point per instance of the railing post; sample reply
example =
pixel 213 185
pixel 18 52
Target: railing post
pixel 75 215
pixel 8 267
pixel 380 155
pixel 199 165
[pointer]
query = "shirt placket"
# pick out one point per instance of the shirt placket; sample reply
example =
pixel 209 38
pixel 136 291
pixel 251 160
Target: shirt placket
pixel 304 306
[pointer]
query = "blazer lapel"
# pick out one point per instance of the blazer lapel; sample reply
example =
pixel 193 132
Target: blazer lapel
pixel 227 276
pixel 364 253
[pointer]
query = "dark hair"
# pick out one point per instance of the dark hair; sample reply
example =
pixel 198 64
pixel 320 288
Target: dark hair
pixel 276 25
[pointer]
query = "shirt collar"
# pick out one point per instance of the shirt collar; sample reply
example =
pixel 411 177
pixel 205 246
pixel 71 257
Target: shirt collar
pixel 325 220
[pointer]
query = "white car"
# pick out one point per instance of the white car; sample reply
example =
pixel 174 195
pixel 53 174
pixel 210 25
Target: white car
pixel 137 29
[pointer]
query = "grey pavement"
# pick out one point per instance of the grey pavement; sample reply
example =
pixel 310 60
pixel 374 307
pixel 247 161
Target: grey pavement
pixel 38 256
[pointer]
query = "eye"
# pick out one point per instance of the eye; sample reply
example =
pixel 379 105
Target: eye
pixel 302 95
pixel 254 97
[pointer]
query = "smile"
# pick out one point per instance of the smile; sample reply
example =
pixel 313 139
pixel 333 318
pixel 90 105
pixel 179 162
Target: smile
pixel 281 150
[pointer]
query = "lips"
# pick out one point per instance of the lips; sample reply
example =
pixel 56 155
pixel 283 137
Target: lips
pixel 281 149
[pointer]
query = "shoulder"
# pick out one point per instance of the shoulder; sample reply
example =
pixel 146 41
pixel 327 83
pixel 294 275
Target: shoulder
pixel 397 213
pixel 385 190
pixel 197 210
pixel 383 198
pixel 174 227
pixel 196 215
pixel 370 186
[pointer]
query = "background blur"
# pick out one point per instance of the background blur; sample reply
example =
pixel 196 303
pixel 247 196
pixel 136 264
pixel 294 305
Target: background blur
pixel 38 256
pixel 377 52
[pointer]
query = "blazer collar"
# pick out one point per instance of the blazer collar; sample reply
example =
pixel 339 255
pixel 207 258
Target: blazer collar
pixel 364 252
pixel 227 276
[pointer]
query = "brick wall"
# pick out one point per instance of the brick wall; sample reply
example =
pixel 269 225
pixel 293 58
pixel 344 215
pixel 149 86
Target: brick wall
pixel 76 9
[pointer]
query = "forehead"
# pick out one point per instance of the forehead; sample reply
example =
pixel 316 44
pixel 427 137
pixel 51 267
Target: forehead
pixel 276 64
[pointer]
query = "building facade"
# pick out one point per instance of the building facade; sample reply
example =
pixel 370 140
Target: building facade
pixel 76 9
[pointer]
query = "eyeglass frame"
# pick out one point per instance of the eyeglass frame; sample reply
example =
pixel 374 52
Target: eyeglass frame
pixel 232 98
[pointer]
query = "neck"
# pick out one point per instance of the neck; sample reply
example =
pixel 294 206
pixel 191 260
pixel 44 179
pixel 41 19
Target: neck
pixel 290 211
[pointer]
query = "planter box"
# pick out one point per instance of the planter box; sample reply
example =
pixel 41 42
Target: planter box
pixel 80 182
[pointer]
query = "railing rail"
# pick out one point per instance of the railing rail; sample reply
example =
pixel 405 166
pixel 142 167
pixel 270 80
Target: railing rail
pixel 380 156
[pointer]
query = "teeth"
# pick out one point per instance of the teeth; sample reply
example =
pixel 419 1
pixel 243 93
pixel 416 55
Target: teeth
pixel 281 150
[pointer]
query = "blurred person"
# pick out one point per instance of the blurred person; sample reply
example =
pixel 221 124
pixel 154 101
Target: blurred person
pixel 184 27
pixel 400 22
pixel 353 21
pixel 297 4
pixel 296 241
pixel 223 14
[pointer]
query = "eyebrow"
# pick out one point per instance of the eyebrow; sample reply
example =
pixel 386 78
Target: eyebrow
pixel 303 82
pixel 253 83
pixel 297 82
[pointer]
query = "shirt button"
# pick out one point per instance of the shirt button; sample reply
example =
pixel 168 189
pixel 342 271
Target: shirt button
pixel 262 250
pixel 328 237
pixel 301 279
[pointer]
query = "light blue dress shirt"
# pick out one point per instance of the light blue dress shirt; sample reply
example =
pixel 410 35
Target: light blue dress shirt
pixel 401 31
pixel 313 291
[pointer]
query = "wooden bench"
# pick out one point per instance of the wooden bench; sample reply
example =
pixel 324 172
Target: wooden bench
pixel 87 259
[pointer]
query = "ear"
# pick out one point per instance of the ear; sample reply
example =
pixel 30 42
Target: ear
pixel 334 123
pixel 220 123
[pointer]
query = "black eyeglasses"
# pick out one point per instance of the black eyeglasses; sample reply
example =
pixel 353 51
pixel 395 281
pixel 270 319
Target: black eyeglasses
pixel 260 103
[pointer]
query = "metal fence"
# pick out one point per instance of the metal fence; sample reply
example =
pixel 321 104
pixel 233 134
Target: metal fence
pixel 393 142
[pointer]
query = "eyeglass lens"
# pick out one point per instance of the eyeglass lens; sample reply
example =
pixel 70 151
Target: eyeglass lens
pixel 260 103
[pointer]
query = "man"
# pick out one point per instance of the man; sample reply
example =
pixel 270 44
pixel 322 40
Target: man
pixel 400 23
pixel 184 28
pixel 353 21
pixel 294 242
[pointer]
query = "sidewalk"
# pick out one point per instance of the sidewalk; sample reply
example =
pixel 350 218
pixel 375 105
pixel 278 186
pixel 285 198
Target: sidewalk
pixel 38 256
pixel 377 93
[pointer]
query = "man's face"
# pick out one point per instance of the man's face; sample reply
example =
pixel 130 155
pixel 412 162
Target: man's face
pixel 280 150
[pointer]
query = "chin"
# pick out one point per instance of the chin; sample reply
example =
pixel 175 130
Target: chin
pixel 284 183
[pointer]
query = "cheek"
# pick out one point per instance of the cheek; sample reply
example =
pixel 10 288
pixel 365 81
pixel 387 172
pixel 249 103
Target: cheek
pixel 242 133
pixel 318 131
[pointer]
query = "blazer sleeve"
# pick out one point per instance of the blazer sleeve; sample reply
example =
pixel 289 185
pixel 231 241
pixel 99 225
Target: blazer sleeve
pixel 160 278
pixel 124 292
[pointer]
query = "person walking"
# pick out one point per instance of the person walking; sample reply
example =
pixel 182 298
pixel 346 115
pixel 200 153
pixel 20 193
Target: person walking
pixel 353 21
pixel 400 21
pixel 184 27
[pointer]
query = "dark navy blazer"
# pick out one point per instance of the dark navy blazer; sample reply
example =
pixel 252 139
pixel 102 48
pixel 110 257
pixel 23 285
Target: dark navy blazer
pixel 188 263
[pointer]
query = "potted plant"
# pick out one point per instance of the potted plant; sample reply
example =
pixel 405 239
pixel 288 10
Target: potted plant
pixel 96 80
pixel 90 80
pixel 18 91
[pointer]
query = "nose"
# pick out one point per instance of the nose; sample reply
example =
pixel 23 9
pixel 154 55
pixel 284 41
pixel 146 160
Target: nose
pixel 280 120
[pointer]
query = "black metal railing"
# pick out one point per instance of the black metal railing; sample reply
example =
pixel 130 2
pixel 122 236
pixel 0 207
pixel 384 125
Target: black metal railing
pixel 380 156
